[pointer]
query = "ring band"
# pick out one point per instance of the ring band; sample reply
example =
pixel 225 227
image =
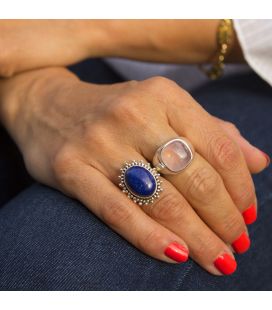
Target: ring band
pixel 142 183
pixel 173 156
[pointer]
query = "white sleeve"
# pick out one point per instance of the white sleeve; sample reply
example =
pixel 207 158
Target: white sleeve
pixel 255 37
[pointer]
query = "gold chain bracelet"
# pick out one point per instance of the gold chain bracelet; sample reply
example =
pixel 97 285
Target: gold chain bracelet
pixel 225 34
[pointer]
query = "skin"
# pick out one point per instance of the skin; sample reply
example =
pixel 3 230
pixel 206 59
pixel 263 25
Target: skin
pixel 31 44
pixel 75 136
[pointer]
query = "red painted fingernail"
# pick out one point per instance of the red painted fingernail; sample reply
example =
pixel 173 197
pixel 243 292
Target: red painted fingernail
pixel 250 214
pixel 225 264
pixel 177 252
pixel 267 157
pixel 241 244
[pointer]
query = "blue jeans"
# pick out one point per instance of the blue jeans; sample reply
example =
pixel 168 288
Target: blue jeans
pixel 51 242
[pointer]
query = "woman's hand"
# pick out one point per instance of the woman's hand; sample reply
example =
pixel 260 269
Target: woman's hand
pixel 30 44
pixel 76 136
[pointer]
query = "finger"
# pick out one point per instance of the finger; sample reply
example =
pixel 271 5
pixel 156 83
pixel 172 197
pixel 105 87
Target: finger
pixel 205 191
pixel 173 212
pixel 218 148
pixel 107 202
pixel 256 159
pixel 206 248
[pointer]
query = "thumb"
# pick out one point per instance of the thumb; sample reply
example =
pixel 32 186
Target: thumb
pixel 256 159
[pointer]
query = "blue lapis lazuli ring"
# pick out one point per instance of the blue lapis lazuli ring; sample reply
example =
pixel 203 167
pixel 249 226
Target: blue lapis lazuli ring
pixel 140 182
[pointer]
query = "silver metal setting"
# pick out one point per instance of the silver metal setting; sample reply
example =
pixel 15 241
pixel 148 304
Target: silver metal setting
pixel 138 199
pixel 158 163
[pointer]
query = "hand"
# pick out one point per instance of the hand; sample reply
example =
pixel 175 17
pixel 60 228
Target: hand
pixel 75 137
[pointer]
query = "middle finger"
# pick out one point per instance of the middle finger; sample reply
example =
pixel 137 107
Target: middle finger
pixel 219 149
pixel 204 189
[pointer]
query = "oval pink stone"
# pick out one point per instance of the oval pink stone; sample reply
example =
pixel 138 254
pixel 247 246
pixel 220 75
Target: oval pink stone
pixel 176 156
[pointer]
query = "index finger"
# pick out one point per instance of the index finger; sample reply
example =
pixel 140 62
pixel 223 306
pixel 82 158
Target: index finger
pixel 107 202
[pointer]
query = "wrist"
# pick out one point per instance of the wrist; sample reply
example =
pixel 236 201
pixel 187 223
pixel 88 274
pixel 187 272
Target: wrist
pixel 180 41
pixel 176 41
pixel 20 93
pixel 101 37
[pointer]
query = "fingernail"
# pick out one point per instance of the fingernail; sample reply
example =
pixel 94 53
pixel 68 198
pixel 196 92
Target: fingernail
pixel 267 158
pixel 177 252
pixel 250 214
pixel 242 244
pixel 225 264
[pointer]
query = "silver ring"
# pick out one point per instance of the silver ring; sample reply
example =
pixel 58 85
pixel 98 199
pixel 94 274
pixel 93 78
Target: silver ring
pixel 173 156
pixel 140 182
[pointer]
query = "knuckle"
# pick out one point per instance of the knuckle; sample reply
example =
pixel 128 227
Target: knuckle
pixel 163 89
pixel 132 83
pixel 203 184
pixel 232 127
pixel 168 208
pixel 160 83
pixel 63 163
pixel 225 152
pixel 244 196
pixel 159 80
pixel 115 213
pixel 130 112
pixel 125 108
pixel 233 224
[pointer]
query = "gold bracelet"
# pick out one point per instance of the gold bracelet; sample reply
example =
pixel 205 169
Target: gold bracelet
pixel 225 34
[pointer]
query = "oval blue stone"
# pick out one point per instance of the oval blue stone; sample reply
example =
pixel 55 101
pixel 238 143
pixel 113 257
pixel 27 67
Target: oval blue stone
pixel 140 181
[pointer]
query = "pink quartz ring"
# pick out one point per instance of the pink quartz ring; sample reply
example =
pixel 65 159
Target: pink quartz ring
pixel 173 156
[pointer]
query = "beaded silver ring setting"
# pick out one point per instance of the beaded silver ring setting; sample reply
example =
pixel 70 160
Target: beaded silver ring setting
pixel 140 182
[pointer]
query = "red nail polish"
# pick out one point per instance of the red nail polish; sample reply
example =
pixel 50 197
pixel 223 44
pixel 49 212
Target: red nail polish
pixel 177 252
pixel 225 264
pixel 250 214
pixel 241 244
pixel 267 158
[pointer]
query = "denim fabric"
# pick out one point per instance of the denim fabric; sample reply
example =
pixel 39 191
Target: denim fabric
pixel 51 242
